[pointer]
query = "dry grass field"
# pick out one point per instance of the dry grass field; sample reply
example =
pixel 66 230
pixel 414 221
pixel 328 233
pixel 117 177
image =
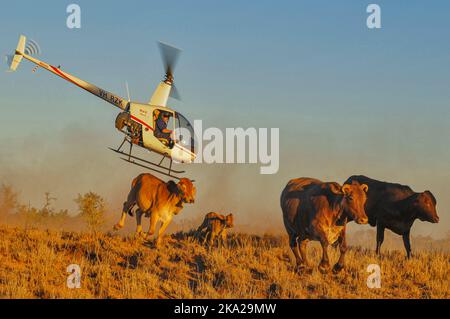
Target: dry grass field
pixel 33 264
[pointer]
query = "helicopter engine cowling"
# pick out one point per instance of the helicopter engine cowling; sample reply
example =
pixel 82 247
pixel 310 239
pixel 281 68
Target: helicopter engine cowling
pixel 122 120
pixel 133 129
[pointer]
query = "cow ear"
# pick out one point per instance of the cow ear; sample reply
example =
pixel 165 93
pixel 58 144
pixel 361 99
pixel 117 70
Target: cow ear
pixel 365 187
pixel 346 189
pixel 172 187
pixel 335 188
pixel 430 194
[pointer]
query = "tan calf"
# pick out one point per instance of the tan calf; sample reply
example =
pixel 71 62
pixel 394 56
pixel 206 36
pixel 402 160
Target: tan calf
pixel 158 200
pixel 215 226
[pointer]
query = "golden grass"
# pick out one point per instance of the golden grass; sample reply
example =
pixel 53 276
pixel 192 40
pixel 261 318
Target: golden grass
pixel 33 265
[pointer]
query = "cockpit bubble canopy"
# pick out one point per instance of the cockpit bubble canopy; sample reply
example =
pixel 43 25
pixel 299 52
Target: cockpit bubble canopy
pixel 184 133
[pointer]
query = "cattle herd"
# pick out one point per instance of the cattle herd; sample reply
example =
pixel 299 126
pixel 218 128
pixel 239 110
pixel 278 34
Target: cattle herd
pixel 312 211
pixel 315 210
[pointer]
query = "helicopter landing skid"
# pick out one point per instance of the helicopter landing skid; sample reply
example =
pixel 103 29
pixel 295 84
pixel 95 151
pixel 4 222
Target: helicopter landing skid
pixel 167 171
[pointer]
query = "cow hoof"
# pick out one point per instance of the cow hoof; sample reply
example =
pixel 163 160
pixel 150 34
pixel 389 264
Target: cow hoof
pixel 139 235
pixel 301 269
pixel 337 268
pixel 117 226
pixel 324 268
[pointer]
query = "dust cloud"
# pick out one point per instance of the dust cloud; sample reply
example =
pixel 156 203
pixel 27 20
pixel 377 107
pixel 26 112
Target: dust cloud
pixel 75 160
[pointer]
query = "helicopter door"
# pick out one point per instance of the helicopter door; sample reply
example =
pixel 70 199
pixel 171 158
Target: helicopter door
pixel 161 126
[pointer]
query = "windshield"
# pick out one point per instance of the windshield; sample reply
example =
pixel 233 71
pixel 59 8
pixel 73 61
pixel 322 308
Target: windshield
pixel 184 133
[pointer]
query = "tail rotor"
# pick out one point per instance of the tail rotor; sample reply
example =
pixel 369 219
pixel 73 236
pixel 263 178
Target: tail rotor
pixel 29 47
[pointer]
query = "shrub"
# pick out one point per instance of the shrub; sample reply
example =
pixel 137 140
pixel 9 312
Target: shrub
pixel 92 209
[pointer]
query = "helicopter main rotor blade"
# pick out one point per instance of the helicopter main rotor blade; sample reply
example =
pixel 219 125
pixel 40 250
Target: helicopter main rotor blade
pixel 169 55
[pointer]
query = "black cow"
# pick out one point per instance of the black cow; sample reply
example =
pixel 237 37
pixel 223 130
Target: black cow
pixel 396 207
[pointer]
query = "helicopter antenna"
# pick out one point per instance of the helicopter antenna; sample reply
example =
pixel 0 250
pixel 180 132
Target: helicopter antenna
pixel 128 91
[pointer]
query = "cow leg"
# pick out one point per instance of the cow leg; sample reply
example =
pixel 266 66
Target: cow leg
pixel 217 238
pixel 342 249
pixel 152 226
pixel 161 231
pixel 206 234
pixel 127 206
pixel 407 243
pixel 303 253
pixel 380 237
pixel 212 236
pixel 224 238
pixel 293 244
pixel 325 262
pixel 139 222
pixel 121 222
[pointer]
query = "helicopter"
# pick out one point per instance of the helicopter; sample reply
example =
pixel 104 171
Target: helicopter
pixel 139 122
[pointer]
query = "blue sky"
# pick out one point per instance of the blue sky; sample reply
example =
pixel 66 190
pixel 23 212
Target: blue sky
pixel 347 99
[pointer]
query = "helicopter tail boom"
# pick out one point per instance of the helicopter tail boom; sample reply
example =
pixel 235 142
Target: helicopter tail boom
pixel 103 94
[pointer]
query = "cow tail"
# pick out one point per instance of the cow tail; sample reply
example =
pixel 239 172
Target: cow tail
pixel 134 182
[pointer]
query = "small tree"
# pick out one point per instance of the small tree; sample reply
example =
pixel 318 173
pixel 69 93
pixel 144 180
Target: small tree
pixel 48 209
pixel 92 209
pixel 8 199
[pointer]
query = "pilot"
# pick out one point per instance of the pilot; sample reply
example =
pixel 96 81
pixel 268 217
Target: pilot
pixel 162 132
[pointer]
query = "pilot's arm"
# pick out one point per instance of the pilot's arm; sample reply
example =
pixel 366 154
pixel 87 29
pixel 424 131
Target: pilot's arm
pixel 162 126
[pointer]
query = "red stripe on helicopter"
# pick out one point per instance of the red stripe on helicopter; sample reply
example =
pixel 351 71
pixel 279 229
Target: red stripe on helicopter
pixel 58 71
pixel 142 122
pixel 148 126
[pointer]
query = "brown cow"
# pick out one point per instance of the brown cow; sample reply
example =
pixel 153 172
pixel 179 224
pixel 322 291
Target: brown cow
pixel 158 200
pixel 314 210
pixel 396 207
